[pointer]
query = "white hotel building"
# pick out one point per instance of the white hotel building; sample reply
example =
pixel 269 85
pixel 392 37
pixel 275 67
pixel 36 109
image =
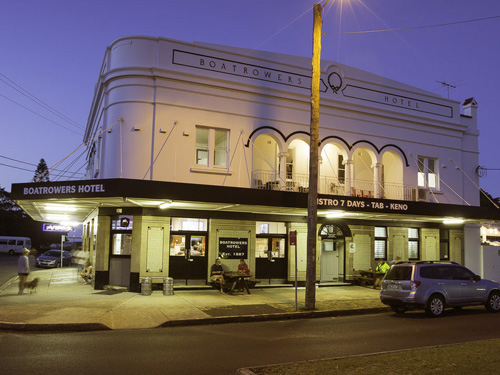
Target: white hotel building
pixel 220 136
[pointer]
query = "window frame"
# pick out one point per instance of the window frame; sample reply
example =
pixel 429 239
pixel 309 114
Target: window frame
pixel 380 240
pixel 444 242
pixel 212 149
pixel 415 240
pixel 424 172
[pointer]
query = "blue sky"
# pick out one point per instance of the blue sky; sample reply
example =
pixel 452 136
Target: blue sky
pixel 54 49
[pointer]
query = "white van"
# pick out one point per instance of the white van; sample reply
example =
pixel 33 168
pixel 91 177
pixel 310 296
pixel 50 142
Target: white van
pixel 14 245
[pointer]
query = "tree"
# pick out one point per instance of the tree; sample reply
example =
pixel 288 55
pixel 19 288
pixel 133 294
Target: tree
pixel 42 172
pixel 486 200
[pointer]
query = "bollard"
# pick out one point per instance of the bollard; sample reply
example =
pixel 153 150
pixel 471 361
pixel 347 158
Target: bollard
pixel 146 286
pixel 168 286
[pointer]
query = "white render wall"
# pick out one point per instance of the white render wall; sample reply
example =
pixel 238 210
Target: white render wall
pixel 160 104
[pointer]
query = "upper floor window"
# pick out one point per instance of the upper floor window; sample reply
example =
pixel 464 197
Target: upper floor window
pixel 428 175
pixel 211 147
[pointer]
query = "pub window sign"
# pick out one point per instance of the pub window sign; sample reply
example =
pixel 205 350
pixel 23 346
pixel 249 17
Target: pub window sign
pixel 233 248
pixel 122 222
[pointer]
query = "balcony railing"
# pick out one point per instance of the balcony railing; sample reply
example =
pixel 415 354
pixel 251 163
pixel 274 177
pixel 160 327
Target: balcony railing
pixel 329 185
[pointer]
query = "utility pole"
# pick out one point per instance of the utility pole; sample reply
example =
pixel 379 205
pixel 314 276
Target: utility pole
pixel 312 197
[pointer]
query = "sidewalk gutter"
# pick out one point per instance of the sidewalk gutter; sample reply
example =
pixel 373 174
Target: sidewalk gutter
pixel 83 327
pixel 273 317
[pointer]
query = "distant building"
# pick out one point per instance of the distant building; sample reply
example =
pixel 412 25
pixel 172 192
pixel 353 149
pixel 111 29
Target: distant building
pixel 219 136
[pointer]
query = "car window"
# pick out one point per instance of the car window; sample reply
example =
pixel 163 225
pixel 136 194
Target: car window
pixel 436 272
pixel 399 273
pixel 462 273
pixel 53 253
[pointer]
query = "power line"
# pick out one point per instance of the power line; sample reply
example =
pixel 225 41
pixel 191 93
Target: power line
pixel 413 27
pixel 38 101
pixel 38 114
pixel 63 171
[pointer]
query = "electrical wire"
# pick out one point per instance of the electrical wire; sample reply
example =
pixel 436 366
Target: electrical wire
pixel 413 27
pixel 38 114
pixel 38 101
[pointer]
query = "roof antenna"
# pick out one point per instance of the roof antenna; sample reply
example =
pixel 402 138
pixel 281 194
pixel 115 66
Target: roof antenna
pixel 447 85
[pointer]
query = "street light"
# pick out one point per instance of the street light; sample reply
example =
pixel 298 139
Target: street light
pixel 312 197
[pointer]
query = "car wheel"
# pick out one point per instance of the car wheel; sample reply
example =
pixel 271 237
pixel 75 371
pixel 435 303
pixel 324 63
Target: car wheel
pixel 399 309
pixel 12 252
pixel 435 306
pixel 493 302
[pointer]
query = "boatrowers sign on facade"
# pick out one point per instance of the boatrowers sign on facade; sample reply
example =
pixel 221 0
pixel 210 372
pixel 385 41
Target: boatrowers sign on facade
pixel 289 78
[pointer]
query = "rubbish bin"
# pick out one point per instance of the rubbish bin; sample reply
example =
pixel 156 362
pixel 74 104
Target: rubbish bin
pixel 168 286
pixel 146 285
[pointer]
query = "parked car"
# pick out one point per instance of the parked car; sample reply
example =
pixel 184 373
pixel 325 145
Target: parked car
pixel 52 259
pixel 433 286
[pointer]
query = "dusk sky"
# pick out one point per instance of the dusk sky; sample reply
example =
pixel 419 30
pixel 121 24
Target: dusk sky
pixel 51 52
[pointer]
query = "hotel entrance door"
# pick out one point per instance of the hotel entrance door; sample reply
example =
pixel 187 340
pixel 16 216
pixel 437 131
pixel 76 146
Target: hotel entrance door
pixel 188 260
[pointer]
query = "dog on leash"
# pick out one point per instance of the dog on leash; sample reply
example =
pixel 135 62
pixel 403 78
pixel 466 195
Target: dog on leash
pixel 31 285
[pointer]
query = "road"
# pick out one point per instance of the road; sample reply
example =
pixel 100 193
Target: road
pixel 221 349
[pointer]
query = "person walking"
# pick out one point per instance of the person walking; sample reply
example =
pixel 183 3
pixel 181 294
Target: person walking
pixel 23 269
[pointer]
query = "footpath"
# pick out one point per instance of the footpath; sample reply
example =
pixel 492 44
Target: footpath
pixel 62 302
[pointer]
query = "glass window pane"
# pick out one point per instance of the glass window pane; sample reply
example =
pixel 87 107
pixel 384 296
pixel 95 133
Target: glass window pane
pixel 202 157
pixel 380 251
pixel 431 165
pixel 432 180
pixel 197 246
pixel 444 251
pixel 278 248
pixel 182 223
pixel 381 232
pixel 412 233
pixel 412 250
pixel 122 244
pixel 177 245
pixel 220 159
pixel 221 139
pixel 201 137
pixel 421 164
pixel 261 247
pixel 421 179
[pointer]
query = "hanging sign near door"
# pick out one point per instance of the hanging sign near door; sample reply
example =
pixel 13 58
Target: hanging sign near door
pixel 233 248
pixel 293 238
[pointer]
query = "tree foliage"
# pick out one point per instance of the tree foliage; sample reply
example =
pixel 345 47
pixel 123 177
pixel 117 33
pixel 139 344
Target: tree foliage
pixel 486 200
pixel 42 172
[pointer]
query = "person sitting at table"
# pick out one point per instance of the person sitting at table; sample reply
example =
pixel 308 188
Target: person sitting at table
pixel 382 268
pixel 217 273
pixel 243 268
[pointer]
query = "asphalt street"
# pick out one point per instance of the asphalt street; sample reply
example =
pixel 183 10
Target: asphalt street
pixel 222 349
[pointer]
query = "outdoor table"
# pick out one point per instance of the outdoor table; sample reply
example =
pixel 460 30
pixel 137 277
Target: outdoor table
pixel 368 276
pixel 237 279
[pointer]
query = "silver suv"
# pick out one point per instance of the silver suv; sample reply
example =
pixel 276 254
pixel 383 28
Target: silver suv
pixel 433 286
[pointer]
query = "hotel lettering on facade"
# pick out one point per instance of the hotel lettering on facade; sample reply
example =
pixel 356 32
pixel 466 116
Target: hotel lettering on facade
pixel 197 151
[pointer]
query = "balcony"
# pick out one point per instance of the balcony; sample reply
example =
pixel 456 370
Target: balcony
pixel 267 180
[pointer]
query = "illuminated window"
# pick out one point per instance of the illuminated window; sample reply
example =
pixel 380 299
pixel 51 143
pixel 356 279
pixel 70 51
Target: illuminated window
pixel 380 242
pixel 428 172
pixel 212 147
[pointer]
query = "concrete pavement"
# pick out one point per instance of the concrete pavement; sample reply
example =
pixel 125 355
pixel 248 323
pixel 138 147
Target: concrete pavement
pixel 62 302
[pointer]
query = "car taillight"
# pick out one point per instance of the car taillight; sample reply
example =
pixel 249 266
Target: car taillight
pixel 415 284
